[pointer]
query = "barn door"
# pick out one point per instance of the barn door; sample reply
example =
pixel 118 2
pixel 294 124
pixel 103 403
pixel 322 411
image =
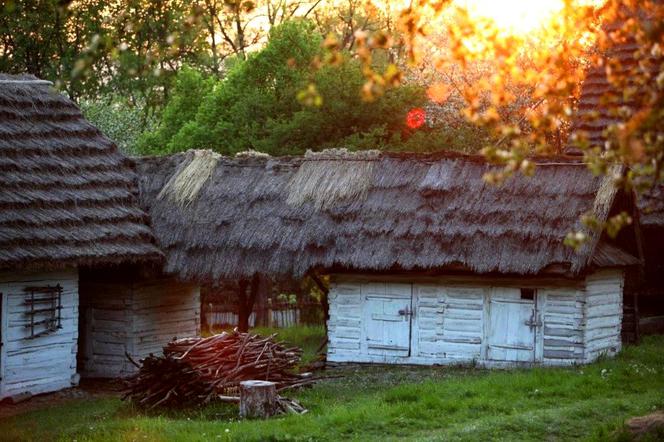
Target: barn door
pixel 513 323
pixel 387 318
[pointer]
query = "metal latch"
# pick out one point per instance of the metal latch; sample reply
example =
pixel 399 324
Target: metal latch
pixel 534 322
pixel 405 311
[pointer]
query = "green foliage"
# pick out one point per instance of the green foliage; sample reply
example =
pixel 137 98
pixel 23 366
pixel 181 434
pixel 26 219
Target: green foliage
pixel 158 57
pixel 188 92
pixel 44 38
pixel 119 120
pixel 461 138
pixel 396 403
pixel 256 105
pixel 130 48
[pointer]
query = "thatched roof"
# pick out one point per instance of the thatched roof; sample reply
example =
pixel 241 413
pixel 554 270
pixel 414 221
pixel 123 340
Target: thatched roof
pixel 218 217
pixel 600 102
pixel 67 196
pixel 602 105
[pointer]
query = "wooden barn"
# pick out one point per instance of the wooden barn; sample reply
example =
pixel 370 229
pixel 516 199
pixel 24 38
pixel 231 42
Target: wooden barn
pixel 428 263
pixel 70 225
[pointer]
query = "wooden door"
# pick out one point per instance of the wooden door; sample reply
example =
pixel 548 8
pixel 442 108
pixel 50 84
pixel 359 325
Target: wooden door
pixel 387 318
pixel 513 323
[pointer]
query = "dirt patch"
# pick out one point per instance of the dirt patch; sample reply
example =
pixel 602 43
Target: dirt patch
pixel 88 389
pixel 650 424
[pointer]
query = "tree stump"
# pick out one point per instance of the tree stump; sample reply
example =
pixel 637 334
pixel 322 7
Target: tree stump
pixel 258 399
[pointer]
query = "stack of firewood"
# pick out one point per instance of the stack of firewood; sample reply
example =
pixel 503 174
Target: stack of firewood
pixel 195 371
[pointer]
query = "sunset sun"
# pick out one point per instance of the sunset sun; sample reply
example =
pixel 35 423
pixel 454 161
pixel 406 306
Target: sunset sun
pixel 518 16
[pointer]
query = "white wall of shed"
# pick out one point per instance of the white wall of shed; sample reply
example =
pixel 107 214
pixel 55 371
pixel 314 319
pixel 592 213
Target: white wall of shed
pixel 451 321
pixel 106 329
pixel 603 313
pixel 162 310
pixel 136 318
pixel 46 363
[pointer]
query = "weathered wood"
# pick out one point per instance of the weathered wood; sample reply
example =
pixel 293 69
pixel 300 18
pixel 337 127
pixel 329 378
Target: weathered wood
pixel 452 321
pixel 134 317
pixel 45 363
pixel 258 399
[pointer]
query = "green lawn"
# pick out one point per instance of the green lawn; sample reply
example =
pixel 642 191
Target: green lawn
pixel 390 403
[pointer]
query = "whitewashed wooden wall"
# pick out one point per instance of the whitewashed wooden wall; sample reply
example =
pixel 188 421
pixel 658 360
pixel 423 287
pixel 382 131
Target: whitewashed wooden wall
pixel 344 328
pixel 447 323
pixel 452 321
pixel 137 318
pixel 603 314
pixel 563 322
pixel 105 329
pixel 46 363
pixel 164 310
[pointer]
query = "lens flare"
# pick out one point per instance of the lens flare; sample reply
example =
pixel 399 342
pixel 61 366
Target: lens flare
pixel 416 118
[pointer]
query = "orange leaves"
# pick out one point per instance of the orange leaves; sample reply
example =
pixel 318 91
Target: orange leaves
pixel 523 88
pixel 378 83
pixel 438 92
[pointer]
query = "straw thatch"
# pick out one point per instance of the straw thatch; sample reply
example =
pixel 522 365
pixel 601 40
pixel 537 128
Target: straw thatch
pixel 600 102
pixel 67 196
pixel 376 212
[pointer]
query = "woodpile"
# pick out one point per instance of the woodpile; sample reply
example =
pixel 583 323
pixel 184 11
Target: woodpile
pixel 195 371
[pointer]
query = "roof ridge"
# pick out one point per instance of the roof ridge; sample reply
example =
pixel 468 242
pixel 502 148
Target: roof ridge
pixel 336 154
pixel 36 82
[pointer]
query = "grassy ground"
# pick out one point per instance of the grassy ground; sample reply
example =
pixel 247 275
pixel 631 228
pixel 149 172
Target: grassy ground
pixel 390 403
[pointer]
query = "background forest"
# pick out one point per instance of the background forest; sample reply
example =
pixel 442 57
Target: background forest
pixel 161 77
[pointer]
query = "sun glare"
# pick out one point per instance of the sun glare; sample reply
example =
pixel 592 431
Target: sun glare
pixel 518 16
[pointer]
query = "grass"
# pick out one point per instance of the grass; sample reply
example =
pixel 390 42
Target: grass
pixel 394 403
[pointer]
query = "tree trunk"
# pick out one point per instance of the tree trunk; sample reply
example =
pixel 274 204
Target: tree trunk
pixel 242 313
pixel 246 301
pixel 261 305
pixel 324 299
pixel 258 399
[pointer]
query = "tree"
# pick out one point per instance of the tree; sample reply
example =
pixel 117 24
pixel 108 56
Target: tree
pixel 47 39
pixel 121 121
pixel 257 107
pixel 129 48
pixel 190 87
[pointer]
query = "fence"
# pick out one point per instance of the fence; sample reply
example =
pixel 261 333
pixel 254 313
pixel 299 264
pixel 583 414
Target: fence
pixel 280 315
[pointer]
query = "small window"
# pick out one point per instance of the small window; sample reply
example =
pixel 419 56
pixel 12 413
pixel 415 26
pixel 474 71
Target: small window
pixel 528 294
pixel 43 310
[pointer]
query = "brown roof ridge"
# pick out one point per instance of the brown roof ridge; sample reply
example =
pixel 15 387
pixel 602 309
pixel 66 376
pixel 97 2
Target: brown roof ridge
pixel 367 155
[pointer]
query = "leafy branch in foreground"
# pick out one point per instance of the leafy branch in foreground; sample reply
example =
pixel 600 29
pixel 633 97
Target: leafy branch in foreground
pixel 549 66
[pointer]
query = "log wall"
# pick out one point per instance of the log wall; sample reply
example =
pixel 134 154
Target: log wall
pixel 603 314
pixel 45 363
pixel 563 322
pixel 137 318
